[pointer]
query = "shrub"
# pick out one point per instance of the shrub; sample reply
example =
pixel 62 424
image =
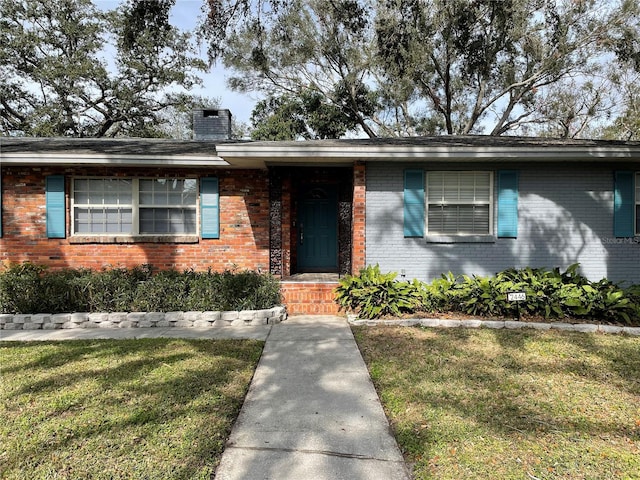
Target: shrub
pixel 440 294
pixel 60 292
pixel 248 290
pixel 166 291
pixel 20 289
pixel 374 294
pixel 110 290
pixel 550 293
pixel 28 288
pixel 205 291
pixel 483 295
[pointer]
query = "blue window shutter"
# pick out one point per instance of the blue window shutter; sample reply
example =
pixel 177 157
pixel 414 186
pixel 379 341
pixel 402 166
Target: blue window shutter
pixel 414 206
pixel 56 208
pixel 209 208
pixel 507 204
pixel 623 204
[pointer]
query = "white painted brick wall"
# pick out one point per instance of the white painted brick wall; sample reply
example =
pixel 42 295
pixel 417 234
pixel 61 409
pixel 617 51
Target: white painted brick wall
pixel 565 217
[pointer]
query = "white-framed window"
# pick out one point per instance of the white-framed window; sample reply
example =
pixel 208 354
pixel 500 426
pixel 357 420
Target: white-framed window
pixel 459 203
pixel 637 230
pixel 134 206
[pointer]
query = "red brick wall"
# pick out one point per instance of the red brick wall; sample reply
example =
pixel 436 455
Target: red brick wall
pixel 358 227
pixel 308 298
pixel 244 224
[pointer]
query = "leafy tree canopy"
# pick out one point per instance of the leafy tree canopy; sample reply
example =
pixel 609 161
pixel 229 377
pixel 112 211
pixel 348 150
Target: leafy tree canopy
pixel 436 66
pixel 327 67
pixel 299 48
pixel 55 79
pixel 304 116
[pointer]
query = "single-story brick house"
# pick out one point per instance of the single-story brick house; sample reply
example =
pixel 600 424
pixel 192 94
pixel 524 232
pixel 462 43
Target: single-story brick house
pixel 418 206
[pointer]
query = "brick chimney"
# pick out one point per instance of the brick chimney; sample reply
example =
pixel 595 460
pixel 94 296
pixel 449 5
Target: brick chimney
pixel 211 124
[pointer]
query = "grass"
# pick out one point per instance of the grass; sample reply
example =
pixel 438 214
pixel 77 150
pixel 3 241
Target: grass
pixel 152 409
pixel 479 404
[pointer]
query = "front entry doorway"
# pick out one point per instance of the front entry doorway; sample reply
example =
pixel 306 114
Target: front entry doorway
pixel 318 229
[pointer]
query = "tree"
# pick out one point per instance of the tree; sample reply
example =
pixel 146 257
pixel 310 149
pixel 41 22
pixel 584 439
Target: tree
pixel 54 80
pixel 626 124
pixel 626 45
pixel 572 108
pixel 291 117
pixel 407 67
pixel 278 118
pixel 307 49
pixel 432 66
pixel 482 66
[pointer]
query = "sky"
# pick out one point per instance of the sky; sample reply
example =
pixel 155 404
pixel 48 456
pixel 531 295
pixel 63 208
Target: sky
pixel 184 15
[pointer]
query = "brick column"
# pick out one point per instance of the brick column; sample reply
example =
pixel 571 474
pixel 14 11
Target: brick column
pixel 275 223
pixel 358 224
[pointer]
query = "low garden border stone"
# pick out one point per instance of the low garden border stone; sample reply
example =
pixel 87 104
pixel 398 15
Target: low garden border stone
pixel 497 324
pixel 47 321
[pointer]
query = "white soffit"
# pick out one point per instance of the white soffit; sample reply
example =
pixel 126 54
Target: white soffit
pixel 274 153
pixel 73 159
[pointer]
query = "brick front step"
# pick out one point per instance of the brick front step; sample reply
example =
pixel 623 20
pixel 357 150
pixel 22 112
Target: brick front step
pixel 309 298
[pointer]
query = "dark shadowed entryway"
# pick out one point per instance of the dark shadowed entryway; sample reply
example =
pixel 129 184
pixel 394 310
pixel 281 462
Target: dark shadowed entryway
pixel 311 212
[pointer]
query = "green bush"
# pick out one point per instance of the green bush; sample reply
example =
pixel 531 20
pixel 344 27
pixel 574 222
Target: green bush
pixel 59 292
pixel 248 290
pixel 20 288
pixel 374 294
pixel 440 294
pixel 482 295
pixel 166 291
pixel 108 290
pixel 555 294
pixel 205 290
pixel 550 293
pixel 29 288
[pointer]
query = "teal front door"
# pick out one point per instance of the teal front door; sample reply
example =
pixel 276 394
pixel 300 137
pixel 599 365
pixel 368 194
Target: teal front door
pixel 318 230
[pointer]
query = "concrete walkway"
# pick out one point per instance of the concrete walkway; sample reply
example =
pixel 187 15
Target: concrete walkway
pixel 259 332
pixel 311 411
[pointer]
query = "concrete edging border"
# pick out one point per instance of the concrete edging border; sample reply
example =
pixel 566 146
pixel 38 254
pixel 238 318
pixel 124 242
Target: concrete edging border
pixel 48 321
pixel 497 324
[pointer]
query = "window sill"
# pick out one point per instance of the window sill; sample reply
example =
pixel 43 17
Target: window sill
pixel 460 239
pixel 80 239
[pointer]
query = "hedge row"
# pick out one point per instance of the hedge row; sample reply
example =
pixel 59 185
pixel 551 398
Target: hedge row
pixel 29 288
pixel 549 293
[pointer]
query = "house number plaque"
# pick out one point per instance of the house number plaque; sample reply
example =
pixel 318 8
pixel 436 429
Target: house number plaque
pixel 516 296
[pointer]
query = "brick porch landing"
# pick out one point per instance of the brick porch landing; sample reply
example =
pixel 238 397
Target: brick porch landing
pixel 310 293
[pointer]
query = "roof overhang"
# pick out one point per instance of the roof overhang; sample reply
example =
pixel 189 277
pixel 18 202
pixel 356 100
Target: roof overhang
pixel 95 159
pixel 305 154
pixel 121 152
pixel 158 153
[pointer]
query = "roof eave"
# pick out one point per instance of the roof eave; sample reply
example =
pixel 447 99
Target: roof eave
pixel 57 159
pixel 287 154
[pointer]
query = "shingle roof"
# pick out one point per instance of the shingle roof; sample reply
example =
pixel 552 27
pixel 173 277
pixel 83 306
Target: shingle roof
pixel 459 141
pixel 156 146
pixel 249 154
pixel 109 146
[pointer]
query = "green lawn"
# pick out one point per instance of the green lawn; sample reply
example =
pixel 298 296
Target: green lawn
pixel 152 409
pixel 497 404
